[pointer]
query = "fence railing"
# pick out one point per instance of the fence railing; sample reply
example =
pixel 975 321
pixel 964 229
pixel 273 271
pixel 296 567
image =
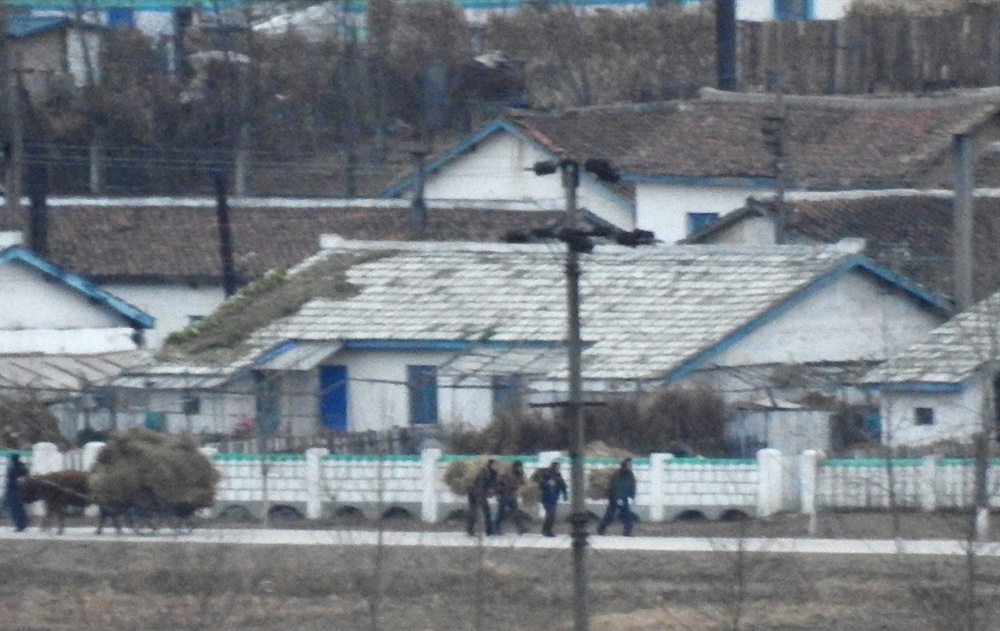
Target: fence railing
pixel 318 484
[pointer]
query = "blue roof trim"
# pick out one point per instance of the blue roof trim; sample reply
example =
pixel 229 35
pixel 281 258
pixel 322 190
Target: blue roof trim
pixel 274 351
pixel 917 386
pixel 442 345
pixel 140 319
pixel 756 182
pixel 495 127
pixel 855 262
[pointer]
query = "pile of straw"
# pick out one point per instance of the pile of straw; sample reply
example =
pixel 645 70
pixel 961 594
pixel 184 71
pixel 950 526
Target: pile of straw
pixel 599 482
pixel 460 475
pixel 140 461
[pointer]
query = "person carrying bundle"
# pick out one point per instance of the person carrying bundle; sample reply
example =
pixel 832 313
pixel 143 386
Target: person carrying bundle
pixel 483 485
pixel 620 492
pixel 508 485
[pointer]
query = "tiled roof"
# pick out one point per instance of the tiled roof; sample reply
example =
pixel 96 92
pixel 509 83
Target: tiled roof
pixel 912 234
pixel 54 377
pixel 646 312
pixel 832 144
pixel 951 353
pixel 179 239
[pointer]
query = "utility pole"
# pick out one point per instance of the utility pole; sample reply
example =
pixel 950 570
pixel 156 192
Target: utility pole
pixel 13 149
pixel 578 240
pixel 774 138
pixel 578 518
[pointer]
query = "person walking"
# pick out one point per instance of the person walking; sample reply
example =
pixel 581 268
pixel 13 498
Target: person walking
pixel 620 492
pixel 12 492
pixel 509 483
pixel 483 485
pixel 551 482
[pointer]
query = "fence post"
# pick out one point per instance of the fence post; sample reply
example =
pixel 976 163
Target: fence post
pixel 429 459
pixel 87 460
pixel 657 464
pixel 769 482
pixel 314 481
pixel 928 484
pixel 808 482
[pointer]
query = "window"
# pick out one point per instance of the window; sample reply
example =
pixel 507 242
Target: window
pixel 924 416
pixel 793 9
pixel 422 385
pixel 508 392
pixel 121 16
pixel 697 221
pixel 191 404
pixel 267 403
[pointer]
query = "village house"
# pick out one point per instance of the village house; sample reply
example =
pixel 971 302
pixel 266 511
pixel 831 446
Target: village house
pixel 52 55
pixel 165 255
pixel 684 164
pixel 944 387
pixel 374 335
pixel 908 231
pixel 61 335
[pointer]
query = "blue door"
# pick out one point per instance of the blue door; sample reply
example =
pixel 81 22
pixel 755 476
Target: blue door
pixel 333 397
pixel 422 382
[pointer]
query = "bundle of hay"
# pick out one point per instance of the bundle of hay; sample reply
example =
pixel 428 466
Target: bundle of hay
pixel 141 461
pixel 600 449
pixel 460 475
pixel 599 482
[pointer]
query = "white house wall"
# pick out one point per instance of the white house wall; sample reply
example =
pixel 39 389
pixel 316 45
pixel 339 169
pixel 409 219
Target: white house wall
pixel 378 398
pixel 957 415
pixel 763 10
pixel 854 318
pixel 174 305
pixel 42 316
pixel 499 169
pixel 664 208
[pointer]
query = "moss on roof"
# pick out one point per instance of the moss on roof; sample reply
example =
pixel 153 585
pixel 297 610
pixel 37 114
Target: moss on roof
pixel 221 337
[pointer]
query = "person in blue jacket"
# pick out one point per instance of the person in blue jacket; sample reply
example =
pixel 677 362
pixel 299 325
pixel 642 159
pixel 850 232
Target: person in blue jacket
pixel 12 492
pixel 552 485
pixel 621 492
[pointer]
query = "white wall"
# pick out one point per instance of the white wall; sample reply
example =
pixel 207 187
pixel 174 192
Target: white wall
pixel 957 415
pixel 172 304
pixel 42 316
pixel 496 170
pixel 378 397
pixel 763 10
pixel 853 319
pixel 663 208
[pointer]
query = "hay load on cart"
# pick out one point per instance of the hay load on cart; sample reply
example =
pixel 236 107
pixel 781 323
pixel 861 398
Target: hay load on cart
pixel 141 470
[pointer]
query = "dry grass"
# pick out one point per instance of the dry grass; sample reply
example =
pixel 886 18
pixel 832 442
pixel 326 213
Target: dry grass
pixel 61 585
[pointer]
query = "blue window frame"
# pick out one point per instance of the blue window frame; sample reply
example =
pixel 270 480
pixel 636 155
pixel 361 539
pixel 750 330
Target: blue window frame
pixel 508 392
pixel 267 403
pixel 697 221
pixel 333 397
pixel 121 16
pixel 422 385
pixel 788 10
pixel 923 416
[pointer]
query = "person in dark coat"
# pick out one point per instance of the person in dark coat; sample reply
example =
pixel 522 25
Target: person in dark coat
pixel 12 492
pixel 483 486
pixel 509 484
pixel 551 482
pixel 620 492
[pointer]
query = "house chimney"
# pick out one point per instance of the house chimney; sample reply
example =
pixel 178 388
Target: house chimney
pixel 962 239
pixel 725 44
pixel 38 212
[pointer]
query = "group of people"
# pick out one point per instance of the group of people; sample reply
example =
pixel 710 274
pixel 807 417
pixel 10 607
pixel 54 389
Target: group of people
pixel 506 486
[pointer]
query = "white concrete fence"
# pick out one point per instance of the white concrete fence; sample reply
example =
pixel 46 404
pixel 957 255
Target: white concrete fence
pixel 317 484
